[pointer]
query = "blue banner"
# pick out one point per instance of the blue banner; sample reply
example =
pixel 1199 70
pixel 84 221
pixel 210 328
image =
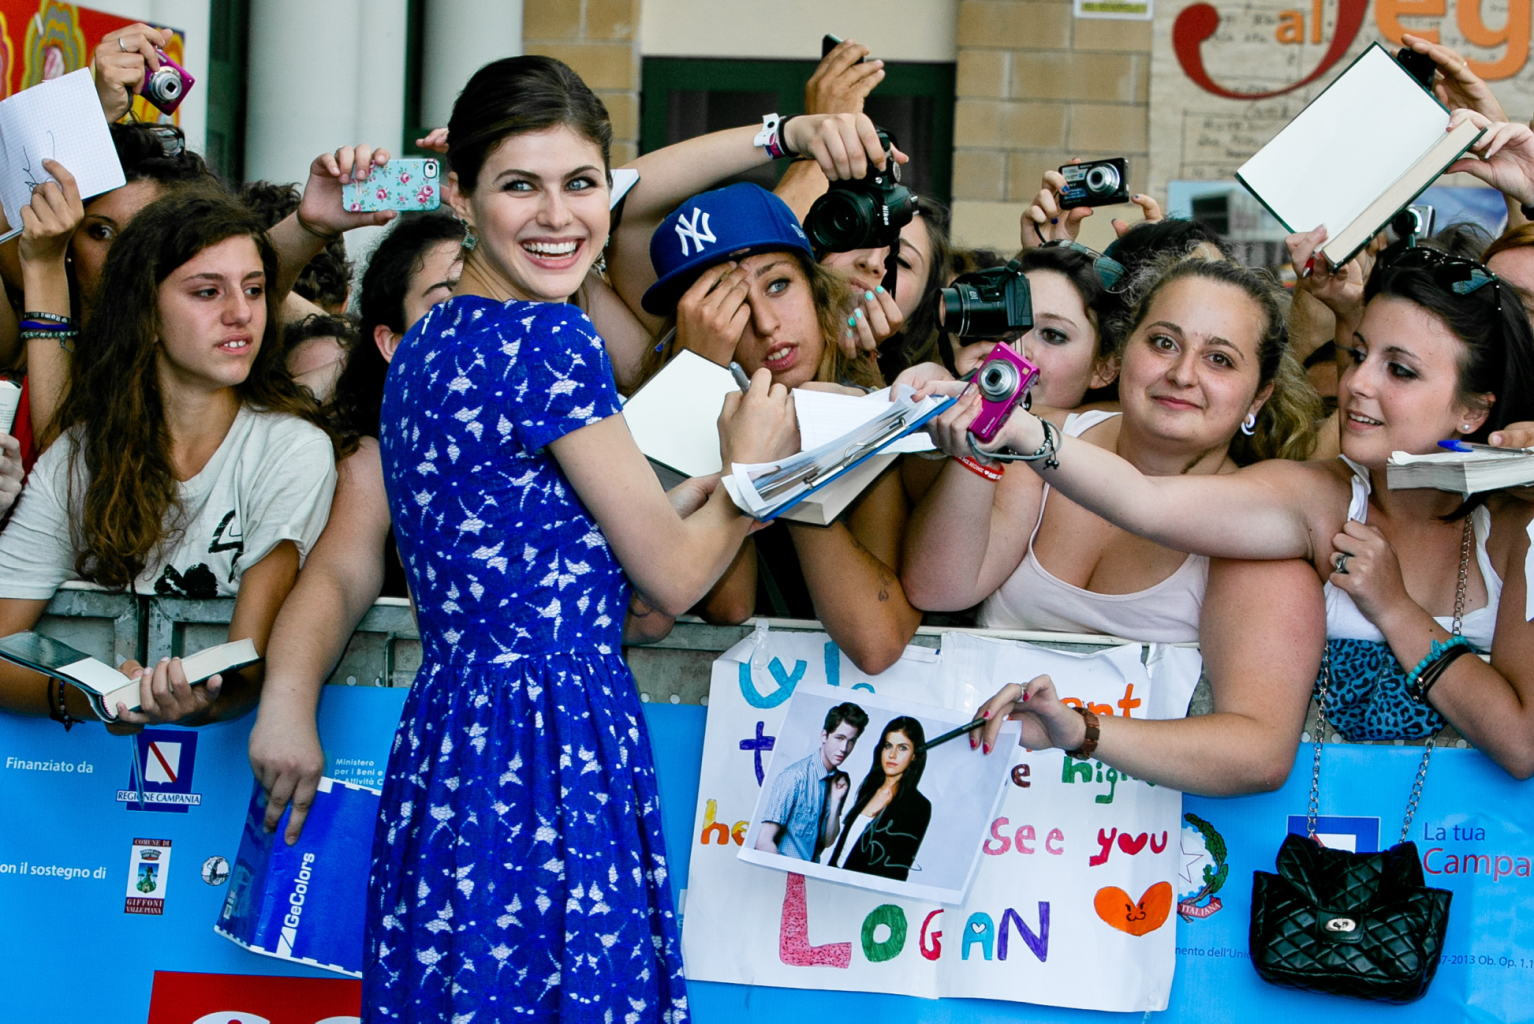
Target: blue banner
pixel 104 884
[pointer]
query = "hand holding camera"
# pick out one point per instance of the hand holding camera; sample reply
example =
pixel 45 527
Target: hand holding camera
pixel 844 145
pixel 843 78
pixel 1045 220
pixel 121 63
pixel 1456 85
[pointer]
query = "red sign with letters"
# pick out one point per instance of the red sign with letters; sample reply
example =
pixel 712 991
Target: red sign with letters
pixel 184 998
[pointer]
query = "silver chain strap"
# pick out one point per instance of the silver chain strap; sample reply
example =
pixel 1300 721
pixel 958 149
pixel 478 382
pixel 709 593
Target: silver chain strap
pixel 1313 810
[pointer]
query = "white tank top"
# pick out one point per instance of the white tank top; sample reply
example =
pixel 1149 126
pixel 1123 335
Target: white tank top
pixel 1345 622
pixel 1034 598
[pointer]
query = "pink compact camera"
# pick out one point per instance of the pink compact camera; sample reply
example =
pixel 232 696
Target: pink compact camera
pixel 167 85
pixel 1003 379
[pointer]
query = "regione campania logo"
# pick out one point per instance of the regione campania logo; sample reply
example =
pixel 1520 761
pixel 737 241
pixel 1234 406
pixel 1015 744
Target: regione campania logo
pixel 165 758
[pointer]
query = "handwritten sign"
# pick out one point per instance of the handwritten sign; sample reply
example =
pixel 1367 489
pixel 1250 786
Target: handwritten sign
pixel 1076 869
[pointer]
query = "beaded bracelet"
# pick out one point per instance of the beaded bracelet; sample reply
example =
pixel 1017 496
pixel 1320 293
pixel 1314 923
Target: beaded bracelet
pixel 1435 653
pixel 1089 739
pixel 65 338
pixel 979 468
pixel 45 320
pixel 1436 670
pixel 58 710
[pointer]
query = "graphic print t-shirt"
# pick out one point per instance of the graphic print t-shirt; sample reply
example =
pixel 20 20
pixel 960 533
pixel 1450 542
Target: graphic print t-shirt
pixel 270 480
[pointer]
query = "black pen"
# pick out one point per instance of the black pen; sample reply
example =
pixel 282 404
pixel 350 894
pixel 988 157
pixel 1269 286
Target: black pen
pixel 742 381
pixel 953 734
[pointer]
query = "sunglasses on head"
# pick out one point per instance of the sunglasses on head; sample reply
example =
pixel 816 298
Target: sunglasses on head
pixel 1458 275
pixel 1109 270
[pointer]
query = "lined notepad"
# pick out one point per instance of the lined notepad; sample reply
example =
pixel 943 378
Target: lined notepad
pixel 55 120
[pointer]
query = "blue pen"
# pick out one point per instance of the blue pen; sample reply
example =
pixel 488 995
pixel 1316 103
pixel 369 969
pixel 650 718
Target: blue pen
pixel 1455 445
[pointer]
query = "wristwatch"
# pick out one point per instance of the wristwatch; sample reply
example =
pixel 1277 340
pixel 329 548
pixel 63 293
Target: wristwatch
pixel 1089 743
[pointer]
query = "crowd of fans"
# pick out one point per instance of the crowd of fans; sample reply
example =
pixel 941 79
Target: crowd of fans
pixel 209 410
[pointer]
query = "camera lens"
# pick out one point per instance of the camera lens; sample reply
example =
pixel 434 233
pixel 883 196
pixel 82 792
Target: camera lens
pixel 840 220
pixel 1102 178
pixel 998 381
pixel 164 85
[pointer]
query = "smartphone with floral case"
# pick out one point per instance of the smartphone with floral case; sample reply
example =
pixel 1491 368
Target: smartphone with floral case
pixel 409 183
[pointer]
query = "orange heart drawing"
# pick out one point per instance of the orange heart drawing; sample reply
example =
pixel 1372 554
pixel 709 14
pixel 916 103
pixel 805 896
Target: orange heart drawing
pixel 1115 907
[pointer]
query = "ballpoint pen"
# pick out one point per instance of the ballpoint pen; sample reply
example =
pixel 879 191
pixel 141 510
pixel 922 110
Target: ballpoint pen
pixel 742 380
pixel 1456 445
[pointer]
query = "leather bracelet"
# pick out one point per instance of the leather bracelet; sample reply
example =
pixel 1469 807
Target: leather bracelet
pixel 1089 744
pixel 1435 671
pixel 975 466
pixel 1435 653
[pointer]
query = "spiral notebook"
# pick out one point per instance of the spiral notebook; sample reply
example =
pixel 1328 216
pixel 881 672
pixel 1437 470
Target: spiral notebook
pixel 58 120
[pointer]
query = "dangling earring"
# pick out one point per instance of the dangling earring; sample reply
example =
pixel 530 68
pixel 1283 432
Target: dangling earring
pixel 1249 425
pixel 470 239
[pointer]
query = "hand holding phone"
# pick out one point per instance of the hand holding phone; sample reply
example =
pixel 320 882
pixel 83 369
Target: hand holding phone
pixel 408 183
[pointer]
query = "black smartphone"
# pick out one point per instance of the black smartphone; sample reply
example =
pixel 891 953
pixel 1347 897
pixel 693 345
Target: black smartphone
pixel 1419 65
pixel 828 42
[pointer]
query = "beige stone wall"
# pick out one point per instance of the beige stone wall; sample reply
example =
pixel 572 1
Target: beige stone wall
pixel 1035 87
pixel 599 39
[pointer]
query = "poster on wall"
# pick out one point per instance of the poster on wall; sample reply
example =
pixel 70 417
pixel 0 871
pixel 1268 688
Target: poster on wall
pixel 1226 78
pixel 41 40
pixel 1076 864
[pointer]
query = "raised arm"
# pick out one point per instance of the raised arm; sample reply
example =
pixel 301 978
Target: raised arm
pixel 1269 510
pixel 321 218
pixel 842 144
pixel 841 82
pixel 1261 634
pixel 47 224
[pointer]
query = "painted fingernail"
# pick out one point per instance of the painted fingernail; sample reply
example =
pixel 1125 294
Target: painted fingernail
pixel 1025 698
pixel 1054 220
pixel 879 289
pixel 986 713
pixel 869 296
pixel 852 321
pixel 858 313
pixel 986 749
pixel 164 659
pixel 973 743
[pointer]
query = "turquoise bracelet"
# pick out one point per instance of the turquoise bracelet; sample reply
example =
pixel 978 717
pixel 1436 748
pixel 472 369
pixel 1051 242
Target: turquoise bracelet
pixel 1434 652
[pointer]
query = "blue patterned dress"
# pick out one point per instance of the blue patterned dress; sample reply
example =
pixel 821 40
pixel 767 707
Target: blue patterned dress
pixel 518 871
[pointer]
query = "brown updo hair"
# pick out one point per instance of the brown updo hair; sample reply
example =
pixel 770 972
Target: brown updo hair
pixel 516 95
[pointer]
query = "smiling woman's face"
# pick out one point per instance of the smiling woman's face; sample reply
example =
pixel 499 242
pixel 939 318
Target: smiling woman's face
pixel 1190 370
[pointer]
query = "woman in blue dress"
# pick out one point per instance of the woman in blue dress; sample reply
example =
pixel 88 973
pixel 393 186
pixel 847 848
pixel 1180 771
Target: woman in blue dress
pixel 518 870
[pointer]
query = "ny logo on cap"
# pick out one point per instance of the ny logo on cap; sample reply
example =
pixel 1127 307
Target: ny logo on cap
pixel 697 229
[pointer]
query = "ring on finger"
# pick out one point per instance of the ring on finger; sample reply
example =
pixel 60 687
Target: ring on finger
pixel 120 45
pixel 1340 562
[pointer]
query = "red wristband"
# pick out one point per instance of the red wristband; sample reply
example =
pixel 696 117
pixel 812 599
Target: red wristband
pixel 974 465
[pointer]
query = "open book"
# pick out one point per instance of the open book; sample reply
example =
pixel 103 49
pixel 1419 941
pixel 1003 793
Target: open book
pixel 104 685
pixel 1463 472
pixel 58 120
pixel 304 903
pixel 674 417
pixel 771 489
pixel 1357 155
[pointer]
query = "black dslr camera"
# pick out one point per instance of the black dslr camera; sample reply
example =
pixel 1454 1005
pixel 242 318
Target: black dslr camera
pixel 988 304
pixel 864 214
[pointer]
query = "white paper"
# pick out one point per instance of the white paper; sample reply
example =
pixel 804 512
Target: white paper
pixel 825 416
pixel 1347 147
pixel 674 417
pixel 58 120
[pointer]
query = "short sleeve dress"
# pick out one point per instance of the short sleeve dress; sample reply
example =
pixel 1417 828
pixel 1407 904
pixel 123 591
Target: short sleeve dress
pixel 518 870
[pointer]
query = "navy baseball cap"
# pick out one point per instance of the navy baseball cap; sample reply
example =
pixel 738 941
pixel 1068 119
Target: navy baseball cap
pixel 725 224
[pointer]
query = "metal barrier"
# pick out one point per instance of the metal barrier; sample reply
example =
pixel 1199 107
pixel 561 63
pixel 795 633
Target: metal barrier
pixel 385 650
